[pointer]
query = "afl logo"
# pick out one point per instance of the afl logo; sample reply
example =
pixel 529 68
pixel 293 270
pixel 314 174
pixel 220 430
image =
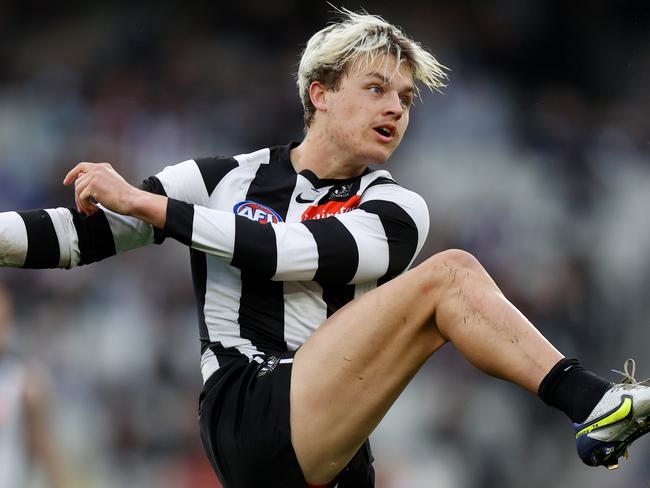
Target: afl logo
pixel 256 212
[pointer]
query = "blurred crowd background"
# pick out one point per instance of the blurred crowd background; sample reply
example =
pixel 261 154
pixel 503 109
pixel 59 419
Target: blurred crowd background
pixel 535 158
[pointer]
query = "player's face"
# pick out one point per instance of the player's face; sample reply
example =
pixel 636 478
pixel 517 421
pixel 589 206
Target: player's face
pixel 368 114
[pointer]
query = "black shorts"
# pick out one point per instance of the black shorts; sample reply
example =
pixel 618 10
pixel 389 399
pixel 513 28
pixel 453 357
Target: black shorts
pixel 245 429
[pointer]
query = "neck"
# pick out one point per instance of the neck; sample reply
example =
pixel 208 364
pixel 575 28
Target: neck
pixel 323 158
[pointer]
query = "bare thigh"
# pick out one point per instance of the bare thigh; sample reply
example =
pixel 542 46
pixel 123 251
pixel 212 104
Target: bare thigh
pixel 349 373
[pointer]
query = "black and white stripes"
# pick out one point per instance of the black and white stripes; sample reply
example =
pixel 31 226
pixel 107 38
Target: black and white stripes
pixel 273 252
pixel 39 228
pixel 64 238
pixel 288 274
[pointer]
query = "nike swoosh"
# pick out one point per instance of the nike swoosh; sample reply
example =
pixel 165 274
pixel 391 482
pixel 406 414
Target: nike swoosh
pixel 299 199
pixel 621 412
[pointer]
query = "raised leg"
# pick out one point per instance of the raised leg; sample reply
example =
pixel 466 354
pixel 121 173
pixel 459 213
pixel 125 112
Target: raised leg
pixel 349 373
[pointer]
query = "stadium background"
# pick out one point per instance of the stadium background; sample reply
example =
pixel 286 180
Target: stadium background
pixel 535 159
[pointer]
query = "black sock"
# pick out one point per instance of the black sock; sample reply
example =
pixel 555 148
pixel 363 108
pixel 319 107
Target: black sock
pixel 572 389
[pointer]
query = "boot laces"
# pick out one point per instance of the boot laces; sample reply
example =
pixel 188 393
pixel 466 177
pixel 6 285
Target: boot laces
pixel 628 373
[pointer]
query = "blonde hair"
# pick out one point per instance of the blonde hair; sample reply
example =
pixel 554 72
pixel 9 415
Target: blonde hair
pixel 329 51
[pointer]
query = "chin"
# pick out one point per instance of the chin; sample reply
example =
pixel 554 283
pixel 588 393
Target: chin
pixel 372 153
pixel 380 156
pixel 366 158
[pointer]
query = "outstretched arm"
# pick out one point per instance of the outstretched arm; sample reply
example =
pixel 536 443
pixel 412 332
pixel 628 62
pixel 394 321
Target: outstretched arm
pixel 65 237
pixel 376 241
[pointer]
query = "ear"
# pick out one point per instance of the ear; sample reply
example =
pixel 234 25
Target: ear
pixel 318 96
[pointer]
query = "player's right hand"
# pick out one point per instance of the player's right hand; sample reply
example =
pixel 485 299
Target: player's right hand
pixel 100 183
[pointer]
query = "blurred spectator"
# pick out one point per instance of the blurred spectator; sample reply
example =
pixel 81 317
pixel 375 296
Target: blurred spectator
pixel 27 447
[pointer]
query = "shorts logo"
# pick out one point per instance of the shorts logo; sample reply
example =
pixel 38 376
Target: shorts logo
pixel 267 366
pixel 256 212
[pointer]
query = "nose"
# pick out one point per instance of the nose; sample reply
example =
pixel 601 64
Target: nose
pixel 394 106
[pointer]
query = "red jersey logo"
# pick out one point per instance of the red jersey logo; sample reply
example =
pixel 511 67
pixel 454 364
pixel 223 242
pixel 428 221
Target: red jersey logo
pixel 331 208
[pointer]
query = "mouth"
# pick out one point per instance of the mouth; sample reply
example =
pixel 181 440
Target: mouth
pixel 386 132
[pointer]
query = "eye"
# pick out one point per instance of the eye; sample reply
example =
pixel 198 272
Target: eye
pixel 406 101
pixel 376 89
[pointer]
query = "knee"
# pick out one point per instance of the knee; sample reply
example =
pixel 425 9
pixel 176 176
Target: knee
pixel 456 259
pixel 456 284
pixel 451 269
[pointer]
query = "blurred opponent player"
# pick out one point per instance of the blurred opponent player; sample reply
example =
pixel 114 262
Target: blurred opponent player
pixel 309 326
pixel 25 441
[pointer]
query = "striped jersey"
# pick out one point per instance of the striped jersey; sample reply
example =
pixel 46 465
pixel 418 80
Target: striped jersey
pixel 273 252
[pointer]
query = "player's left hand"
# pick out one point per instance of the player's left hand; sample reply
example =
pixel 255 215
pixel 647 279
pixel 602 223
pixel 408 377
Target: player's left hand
pixel 100 183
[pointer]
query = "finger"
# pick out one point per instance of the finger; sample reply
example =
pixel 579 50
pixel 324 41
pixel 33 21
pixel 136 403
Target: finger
pixel 86 198
pixel 76 171
pixel 72 174
pixel 84 192
pixel 79 184
pixel 77 181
